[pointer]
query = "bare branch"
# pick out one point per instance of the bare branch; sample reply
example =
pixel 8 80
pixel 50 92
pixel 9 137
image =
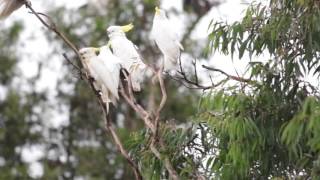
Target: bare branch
pixel 162 103
pixel 194 63
pixel 163 91
pixel 72 64
pixel 236 78
pixel 185 81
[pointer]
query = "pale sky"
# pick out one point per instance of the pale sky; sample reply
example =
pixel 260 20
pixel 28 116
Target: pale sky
pixel 36 49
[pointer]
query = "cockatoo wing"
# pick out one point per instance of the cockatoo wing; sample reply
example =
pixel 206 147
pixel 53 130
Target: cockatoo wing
pixel 137 73
pixel 111 76
pixel 101 74
pixel 126 51
pixel 8 6
pixel 86 55
pixel 104 75
pixel 167 40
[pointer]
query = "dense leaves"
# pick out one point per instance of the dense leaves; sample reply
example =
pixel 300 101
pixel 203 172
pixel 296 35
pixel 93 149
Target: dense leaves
pixel 269 129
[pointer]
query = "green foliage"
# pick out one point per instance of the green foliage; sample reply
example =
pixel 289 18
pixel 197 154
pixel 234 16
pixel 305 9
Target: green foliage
pixel 287 29
pixel 7 53
pixel 301 135
pixel 269 129
pixel 176 140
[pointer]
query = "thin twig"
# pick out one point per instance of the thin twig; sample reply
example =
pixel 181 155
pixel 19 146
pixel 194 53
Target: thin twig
pixel 240 79
pixel 163 91
pixel 195 70
pixel 71 63
pixel 185 81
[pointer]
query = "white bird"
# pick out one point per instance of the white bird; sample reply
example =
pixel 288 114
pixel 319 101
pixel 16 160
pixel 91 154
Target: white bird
pixel 8 6
pixel 166 39
pixel 127 52
pixel 105 69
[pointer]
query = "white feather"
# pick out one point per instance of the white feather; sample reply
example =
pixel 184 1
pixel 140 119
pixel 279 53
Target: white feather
pixel 167 40
pixel 105 69
pixel 109 70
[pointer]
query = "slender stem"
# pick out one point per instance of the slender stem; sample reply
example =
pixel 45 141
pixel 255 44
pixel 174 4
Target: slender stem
pixel 163 91
pixel 240 79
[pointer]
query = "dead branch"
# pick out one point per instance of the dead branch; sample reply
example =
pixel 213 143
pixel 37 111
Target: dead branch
pixel 162 103
pixel 190 84
pixel 236 78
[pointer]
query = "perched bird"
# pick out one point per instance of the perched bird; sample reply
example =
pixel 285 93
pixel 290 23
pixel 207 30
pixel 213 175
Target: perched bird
pixel 8 6
pixel 128 54
pixel 105 69
pixel 166 39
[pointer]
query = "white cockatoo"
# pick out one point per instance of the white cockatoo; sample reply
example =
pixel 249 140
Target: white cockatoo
pixel 105 69
pixel 127 52
pixel 166 39
pixel 8 6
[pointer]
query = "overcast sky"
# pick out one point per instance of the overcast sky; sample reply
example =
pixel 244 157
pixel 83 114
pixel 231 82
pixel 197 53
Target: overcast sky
pixel 36 49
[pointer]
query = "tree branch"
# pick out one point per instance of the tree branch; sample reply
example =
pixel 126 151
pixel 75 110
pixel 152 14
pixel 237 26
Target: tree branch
pixel 236 78
pixel 185 81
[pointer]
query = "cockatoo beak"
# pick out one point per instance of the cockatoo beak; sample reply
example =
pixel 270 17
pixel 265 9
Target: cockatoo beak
pixel 157 10
pixel 127 28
